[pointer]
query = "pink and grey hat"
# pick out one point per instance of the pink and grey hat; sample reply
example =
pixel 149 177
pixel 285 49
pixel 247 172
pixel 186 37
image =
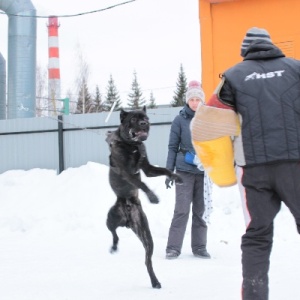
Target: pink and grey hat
pixel 194 90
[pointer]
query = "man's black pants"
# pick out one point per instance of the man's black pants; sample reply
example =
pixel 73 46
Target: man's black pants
pixel 266 187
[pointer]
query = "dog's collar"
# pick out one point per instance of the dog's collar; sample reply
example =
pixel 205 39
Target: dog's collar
pixel 115 136
pixel 111 136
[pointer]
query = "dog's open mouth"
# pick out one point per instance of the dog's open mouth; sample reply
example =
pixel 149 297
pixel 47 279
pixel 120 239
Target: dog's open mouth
pixel 141 135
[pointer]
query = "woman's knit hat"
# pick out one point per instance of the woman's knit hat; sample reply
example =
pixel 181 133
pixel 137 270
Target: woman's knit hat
pixel 253 34
pixel 194 90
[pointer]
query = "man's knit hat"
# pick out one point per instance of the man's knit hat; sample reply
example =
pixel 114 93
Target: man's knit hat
pixel 194 90
pixel 253 34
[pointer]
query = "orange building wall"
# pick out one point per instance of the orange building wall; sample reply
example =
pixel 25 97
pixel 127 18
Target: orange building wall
pixel 223 24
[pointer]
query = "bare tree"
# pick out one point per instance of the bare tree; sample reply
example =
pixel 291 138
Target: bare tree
pixel 85 101
pixel 41 90
pixel 72 101
pixel 82 78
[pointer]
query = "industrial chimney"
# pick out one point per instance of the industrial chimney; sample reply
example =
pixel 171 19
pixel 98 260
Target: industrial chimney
pixel 54 106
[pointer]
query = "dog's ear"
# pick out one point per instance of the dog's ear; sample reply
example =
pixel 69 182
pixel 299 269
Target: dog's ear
pixel 123 115
pixel 144 108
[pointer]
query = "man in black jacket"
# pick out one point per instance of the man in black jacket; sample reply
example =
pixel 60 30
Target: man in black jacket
pixel 264 91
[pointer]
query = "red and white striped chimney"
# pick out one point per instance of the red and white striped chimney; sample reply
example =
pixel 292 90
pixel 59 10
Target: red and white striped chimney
pixel 53 67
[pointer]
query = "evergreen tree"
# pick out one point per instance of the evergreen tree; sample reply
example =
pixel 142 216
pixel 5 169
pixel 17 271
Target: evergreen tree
pixel 135 99
pixel 152 103
pixel 84 101
pixel 112 95
pixel 97 101
pixel 181 88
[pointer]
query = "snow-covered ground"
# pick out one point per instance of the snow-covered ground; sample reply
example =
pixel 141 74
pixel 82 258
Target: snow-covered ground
pixel 54 244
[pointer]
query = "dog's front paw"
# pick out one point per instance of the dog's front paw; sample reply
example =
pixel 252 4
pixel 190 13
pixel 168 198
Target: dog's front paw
pixel 113 249
pixel 156 285
pixel 177 178
pixel 152 197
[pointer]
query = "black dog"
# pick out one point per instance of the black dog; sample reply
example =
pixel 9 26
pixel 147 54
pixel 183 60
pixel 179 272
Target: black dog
pixel 128 156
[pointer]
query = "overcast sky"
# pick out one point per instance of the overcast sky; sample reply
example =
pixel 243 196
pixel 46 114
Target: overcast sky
pixel 151 37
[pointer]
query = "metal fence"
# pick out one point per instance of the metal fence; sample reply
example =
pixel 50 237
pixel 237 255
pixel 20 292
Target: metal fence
pixel 71 141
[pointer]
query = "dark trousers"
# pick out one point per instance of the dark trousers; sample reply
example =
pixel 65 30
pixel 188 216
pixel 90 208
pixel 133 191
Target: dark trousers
pixel 190 192
pixel 265 187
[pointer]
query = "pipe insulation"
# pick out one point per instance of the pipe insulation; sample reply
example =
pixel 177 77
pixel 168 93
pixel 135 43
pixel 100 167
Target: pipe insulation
pixel 2 88
pixel 21 62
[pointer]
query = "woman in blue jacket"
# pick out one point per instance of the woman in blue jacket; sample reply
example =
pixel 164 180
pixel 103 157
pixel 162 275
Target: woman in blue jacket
pixel 191 191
